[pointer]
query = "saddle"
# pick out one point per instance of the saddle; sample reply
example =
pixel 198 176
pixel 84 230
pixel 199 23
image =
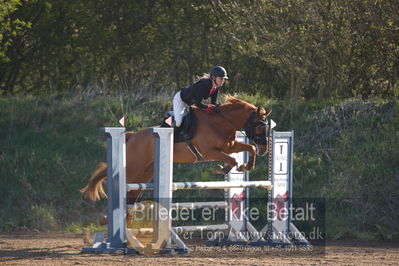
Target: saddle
pixel 186 130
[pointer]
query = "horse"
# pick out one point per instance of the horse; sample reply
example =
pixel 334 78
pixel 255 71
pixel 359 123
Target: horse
pixel 215 139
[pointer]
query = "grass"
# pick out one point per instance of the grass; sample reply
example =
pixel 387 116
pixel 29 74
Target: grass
pixel 345 152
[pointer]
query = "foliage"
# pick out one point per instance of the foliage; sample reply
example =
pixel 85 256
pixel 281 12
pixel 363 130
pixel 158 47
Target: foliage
pixel 333 48
pixel 10 28
pixel 279 48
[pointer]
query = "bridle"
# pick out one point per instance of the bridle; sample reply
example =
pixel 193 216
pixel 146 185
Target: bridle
pixel 250 129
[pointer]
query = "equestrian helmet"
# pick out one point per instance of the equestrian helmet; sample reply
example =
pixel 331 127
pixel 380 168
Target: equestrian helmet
pixel 219 71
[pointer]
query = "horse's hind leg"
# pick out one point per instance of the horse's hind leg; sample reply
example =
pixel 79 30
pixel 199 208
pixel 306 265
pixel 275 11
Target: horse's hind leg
pixel 133 196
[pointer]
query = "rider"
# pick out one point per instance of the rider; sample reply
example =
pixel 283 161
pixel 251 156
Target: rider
pixel 207 86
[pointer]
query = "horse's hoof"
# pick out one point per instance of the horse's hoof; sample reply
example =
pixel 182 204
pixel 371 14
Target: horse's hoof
pixel 226 169
pixel 87 237
pixel 242 168
pixel 103 220
pixel 218 170
pixel 249 167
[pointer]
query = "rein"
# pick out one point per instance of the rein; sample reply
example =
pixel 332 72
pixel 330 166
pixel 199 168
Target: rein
pixel 231 123
pixel 250 125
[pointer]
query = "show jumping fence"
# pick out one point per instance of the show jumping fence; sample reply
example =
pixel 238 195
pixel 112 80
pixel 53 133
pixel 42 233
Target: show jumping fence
pixel 165 238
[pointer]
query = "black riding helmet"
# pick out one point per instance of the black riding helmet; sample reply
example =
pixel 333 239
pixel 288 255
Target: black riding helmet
pixel 219 71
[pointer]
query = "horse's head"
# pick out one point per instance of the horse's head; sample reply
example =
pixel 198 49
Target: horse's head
pixel 257 128
pixel 253 118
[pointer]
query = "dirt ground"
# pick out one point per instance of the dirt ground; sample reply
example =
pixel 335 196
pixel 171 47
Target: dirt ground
pixel 65 248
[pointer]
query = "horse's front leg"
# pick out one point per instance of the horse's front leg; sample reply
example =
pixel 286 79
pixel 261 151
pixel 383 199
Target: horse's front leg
pixel 241 147
pixel 217 155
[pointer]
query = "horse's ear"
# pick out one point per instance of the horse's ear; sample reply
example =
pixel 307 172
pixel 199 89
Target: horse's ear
pixel 262 114
pixel 268 112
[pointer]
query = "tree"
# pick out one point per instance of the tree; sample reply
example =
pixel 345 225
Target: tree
pixel 11 28
pixel 281 48
pixel 319 48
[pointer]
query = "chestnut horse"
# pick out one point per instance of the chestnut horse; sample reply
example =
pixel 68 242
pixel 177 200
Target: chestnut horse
pixel 214 139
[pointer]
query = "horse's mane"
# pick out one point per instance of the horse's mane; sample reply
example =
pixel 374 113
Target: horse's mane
pixel 233 102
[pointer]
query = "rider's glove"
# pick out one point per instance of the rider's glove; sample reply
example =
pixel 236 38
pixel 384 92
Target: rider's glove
pixel 209 108
pixel 215 108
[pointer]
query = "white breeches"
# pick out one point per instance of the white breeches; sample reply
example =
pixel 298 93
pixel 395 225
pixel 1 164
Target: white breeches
pixel 178 108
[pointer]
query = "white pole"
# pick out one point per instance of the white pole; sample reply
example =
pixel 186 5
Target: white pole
pixel 204 185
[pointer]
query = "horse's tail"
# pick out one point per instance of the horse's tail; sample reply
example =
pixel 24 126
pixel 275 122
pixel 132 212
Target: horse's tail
pixel 94 190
